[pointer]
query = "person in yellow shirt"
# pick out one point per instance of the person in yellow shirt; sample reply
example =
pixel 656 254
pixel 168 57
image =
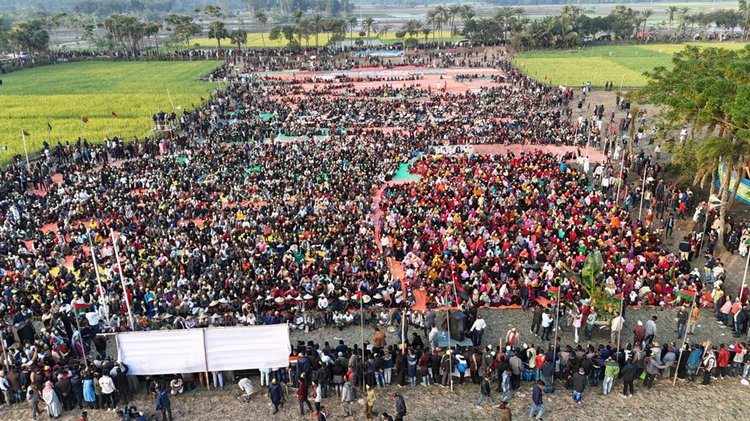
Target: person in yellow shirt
pixel 370 403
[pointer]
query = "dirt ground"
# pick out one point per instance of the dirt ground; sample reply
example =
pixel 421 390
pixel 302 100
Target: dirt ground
pixel 727 396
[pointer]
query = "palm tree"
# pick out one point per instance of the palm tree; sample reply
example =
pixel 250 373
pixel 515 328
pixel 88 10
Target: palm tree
pixel 384 29
pixel 671 10
pixel 432 19
pixel 505 17
pixel 367 24
pixel 646 14
pixel 412 27
pixel 352 24
pixel 316 25
pixel 467 13
pixel 454 11
pixel 444 17
pixel 262 19
pixel 426 31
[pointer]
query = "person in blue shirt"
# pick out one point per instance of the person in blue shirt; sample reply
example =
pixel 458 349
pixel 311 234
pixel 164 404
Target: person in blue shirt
pixel 537 404
pixel 693 362
pixel 163 405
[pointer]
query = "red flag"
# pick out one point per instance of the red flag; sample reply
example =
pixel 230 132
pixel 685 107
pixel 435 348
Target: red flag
pixel 84 119
pixel 79 309
pixel 114 114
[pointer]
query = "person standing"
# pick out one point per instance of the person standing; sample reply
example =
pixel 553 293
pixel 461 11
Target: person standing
pixel 629 373
pixel 579 385
pixel 536 321
pixel 650 332
pixel 511 338
pixel 611 370
pixel 709 363
pixel 547 321
pixel 347 397
pixel 276 395
pixel 302 392
pixel 485 391
pixel 378 339
pixel 507 386
pixel 163 404
pixel 616 327
pixel 694 317
pixel 693 362
pixel 370 402
pixel 54 407
pixel 477 330
pixel 32 397
pixel 639 333
pixel 682 319
pixel 108 391
pixel 318 395
pixel 400 407
pixel 537 405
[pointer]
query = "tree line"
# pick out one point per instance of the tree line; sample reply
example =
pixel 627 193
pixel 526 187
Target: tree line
pixel 508 25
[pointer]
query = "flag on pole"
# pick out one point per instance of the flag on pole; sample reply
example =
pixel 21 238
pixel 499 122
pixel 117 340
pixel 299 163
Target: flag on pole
pixel 114 114
pixel 686 294
pixel 618 298
pixel 24 132
pixel 79 309
pixel 84 119
pixel 554 292
pixel 49 126
pixel 460 290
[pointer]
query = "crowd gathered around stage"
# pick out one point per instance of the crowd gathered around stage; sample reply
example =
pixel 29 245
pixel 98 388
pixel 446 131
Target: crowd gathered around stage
pixel 259 208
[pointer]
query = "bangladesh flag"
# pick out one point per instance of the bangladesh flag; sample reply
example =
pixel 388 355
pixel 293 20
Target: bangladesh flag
pixel 79 309
pixel 554 292
pixel 618 297
pixel 460 290
pixel 686 294
pixel 84 119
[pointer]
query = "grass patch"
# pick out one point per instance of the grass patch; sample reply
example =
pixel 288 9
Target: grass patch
pixel 61 94
pixel 624 65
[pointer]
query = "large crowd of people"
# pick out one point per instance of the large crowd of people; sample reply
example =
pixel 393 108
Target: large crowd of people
pixel 257 208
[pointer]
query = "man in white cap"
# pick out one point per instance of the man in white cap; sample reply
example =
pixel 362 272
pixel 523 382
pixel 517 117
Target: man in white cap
pixel 511 338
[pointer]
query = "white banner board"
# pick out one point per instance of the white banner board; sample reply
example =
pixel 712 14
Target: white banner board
pixel 162 351
pixel 248 347
pixel 199 350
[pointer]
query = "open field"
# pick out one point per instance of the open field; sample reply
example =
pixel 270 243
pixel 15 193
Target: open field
pixel 622 64
pixel 61 94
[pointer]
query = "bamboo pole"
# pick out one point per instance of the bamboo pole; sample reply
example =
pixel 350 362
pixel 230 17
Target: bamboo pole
pixel 85 358
pixel 619 332
pixel 205 359
pixel 122 279
pixel 102 301
pixel 362 330
pixel 684 339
